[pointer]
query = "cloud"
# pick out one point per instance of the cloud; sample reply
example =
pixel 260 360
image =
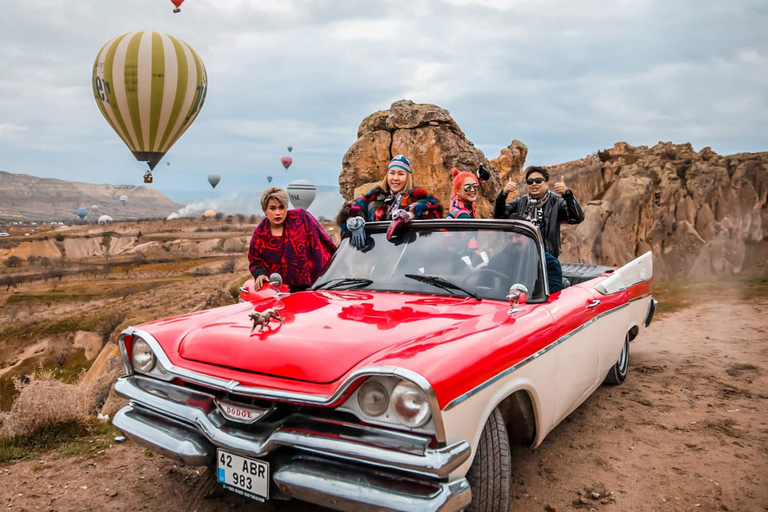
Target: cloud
pixel 8 129
pixel 566 78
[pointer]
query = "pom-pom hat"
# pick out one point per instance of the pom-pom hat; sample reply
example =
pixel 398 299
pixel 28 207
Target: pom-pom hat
pixel 400 162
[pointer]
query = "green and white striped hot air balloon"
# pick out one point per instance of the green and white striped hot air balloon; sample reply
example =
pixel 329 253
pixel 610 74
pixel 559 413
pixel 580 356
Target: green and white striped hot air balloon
pixel 149 87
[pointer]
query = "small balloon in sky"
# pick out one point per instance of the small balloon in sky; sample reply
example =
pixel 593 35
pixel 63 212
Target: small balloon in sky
pixel 177 5
pixel 269 179
pixel 286 161
pixel 214 179
pixel 290 148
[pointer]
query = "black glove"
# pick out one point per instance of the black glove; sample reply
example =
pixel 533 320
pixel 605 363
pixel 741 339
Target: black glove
pixel 482 173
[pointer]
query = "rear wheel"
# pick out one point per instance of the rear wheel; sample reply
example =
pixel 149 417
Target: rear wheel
pixel 490 475
pixel 618 372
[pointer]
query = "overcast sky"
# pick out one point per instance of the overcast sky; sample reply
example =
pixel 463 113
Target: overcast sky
pixel 565 77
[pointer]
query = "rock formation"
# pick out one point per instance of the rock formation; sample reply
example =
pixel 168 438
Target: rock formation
pixel 701 214
pixel 431 140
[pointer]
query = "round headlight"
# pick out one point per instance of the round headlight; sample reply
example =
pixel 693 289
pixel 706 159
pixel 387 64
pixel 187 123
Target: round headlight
pixel 373 398
pixel 410 404
pixel 142 355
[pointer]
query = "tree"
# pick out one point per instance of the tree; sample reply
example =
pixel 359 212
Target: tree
pixel 13 261
pixel 8 281
pixel 45 261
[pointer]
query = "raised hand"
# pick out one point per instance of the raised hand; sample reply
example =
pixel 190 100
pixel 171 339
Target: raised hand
pixel 509 187
pixel 560 187
pixel 357 226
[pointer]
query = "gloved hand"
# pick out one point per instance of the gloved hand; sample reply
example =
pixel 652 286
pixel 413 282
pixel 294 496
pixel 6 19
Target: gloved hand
pixel 483 174
pixel 356 225
pixel 399 219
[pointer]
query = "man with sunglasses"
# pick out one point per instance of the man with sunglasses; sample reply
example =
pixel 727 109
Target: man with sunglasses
pixel 547 210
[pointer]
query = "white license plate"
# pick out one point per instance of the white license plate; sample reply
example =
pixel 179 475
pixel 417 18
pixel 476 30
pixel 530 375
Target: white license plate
pixel 244 476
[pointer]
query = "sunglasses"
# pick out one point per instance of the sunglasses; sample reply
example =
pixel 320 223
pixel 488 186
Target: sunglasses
pixel 538 181
pixel 471 186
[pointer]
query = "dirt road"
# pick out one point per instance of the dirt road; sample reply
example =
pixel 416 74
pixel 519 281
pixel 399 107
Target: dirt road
pixel 687 431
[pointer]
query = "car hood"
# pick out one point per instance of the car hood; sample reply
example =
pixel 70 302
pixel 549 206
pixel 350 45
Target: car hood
pixel 326 334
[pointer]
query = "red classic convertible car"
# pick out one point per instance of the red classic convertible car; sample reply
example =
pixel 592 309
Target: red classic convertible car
pixel 398 381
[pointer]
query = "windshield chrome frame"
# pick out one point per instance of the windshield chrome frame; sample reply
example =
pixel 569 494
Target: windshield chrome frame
pixel 518 226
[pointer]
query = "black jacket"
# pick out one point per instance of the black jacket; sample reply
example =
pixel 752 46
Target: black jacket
pixel 556 211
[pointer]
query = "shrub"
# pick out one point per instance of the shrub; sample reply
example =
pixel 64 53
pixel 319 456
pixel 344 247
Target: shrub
pixel 13 261
pixel 604 155
pixel 59 237
pixel 42 400
pixel 229 265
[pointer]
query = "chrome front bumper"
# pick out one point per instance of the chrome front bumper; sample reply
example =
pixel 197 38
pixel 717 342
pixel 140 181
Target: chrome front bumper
pixel 331 463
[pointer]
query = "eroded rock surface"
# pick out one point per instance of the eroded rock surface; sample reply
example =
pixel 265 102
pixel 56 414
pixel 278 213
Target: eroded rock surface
pixel 700 213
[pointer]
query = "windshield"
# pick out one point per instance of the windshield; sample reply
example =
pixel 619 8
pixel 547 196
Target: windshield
pixel 485 262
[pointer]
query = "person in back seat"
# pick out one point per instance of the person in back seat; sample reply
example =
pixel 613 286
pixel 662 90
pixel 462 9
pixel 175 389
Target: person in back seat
pixel 547 210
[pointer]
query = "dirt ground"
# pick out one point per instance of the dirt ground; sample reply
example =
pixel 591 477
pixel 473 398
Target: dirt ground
pixel 688 430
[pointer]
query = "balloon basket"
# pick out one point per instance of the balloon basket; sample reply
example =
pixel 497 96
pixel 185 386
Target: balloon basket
pixel 176 10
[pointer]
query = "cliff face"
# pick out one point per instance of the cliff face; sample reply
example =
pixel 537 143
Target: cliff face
pixel 46 199
pixel 701 214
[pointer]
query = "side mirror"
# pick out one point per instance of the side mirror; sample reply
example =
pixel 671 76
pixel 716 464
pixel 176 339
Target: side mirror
pixel 518 295
pixel 275 281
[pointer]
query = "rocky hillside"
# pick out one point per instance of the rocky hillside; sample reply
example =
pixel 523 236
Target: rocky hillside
pixel 701 214
pixel 29 198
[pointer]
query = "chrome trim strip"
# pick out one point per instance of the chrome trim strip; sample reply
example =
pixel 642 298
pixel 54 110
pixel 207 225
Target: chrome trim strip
pixel 195 410
pixel 456 401
pixel 234 386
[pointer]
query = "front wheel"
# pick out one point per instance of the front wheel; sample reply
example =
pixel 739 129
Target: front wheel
pixel 490 475
pixel 618 372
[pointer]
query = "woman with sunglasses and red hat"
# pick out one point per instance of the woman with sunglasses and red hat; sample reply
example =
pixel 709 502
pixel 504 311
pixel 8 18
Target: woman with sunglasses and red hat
pixel 393 199
pixel 545 209
pixel 465 190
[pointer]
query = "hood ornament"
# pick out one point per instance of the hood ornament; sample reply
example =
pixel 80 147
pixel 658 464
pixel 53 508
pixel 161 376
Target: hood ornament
pixel 262 318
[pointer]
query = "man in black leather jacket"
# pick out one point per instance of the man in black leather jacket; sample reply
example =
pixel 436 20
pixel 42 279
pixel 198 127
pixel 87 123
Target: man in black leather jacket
pixel 545 209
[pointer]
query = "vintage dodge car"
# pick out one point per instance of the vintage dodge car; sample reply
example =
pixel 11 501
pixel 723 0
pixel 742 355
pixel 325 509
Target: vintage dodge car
pixel 398 381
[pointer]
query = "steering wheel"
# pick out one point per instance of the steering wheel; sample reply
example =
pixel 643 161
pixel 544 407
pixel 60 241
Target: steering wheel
pixel 485 277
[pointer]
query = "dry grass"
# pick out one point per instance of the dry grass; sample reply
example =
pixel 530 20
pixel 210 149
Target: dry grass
pixel 43 400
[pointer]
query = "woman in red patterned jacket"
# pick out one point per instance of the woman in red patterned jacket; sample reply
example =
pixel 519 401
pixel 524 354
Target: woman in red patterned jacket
pixel 289 242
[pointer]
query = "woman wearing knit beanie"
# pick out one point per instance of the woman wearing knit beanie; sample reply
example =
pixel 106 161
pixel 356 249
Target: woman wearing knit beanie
pixel 394 198
pixel 465 189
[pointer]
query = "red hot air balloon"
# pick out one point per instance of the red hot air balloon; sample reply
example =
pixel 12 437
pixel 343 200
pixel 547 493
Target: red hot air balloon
pixel 286 161
pixel 177 3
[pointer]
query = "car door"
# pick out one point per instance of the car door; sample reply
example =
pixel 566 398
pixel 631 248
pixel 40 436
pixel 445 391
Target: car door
pixel 578 347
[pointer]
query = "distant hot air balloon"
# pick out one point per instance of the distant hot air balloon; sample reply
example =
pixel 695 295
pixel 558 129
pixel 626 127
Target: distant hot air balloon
pixel 290 148
pixel 177 3
pixel 214 179
pixel 301 193
pixel 286 161
pixel 269 179
pixel 167 163
pixel 81 212
pixel 123 200
pixel 104 219
pixel 150 87
pixel 209 213
pixel 94 208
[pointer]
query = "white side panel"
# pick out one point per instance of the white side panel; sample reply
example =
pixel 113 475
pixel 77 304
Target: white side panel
pixel 636 271
pixel 540 378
